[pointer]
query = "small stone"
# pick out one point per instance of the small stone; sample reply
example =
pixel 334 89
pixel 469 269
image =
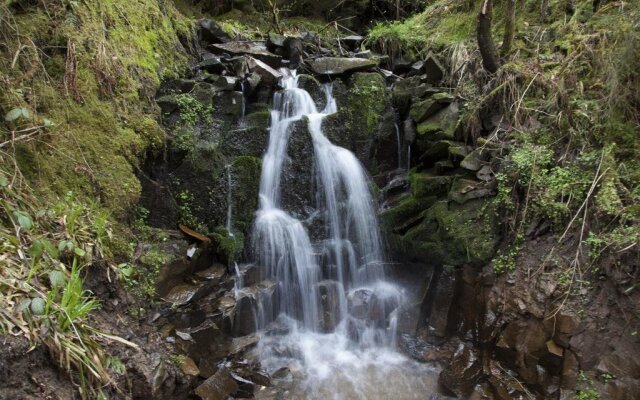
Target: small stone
pixel 218 387
pixel 189 367
pixel 267 74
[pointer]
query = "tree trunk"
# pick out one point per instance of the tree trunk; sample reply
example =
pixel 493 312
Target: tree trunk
pixel 485 41
pixel 509 28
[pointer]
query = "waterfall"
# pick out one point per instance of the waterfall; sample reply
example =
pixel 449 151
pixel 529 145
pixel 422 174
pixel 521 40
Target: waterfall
pixel 331 290
pixel 243 107
pixel 229 201
pixel 396 126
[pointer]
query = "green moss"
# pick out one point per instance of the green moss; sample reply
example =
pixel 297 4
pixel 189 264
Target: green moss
pixel 424 184
pixel 454 234
pixel 366 101
pixel 245 172
pixel 228 247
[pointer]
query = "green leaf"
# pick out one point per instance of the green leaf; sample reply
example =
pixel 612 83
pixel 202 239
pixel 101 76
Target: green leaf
pixel 24 220
pixel 57 278
pixel 36 249
pixel 79 252
pixel 50 248
pixel 17 113
pixel 47 122
pixel 4 182
pixel 37 306
pixel 65 245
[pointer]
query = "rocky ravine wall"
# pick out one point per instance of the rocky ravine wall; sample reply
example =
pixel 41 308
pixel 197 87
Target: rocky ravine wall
pixel 499 336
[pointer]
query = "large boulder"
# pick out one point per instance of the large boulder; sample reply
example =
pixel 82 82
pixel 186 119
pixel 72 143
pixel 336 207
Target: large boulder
pixel 341 65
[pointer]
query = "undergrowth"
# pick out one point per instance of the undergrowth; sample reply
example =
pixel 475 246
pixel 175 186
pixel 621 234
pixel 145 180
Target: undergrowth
pixel 45 247
pixel 76 101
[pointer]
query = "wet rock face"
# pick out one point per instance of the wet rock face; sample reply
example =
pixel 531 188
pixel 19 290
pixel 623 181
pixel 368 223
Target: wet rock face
pixel 463 371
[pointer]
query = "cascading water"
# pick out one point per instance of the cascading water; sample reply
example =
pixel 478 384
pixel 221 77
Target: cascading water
pixel 332 296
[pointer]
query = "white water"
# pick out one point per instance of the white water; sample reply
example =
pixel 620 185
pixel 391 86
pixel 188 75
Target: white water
pixel 332 297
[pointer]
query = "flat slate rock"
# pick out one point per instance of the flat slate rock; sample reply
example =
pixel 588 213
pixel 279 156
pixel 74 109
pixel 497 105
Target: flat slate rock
pixel 339 65
pixel 251 49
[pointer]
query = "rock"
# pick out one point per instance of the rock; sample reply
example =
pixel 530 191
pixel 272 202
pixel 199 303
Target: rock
pixel 410 88
pixel 245 319
pixel 151 376
pixel 174 86
pixel 463 371
pixel 214 273
pixel 364 54
pixel 424 109
pixel 189 367
pixel 267 74
pixel 168 104
pixel 338 65
pixel 186 293
pixel 219 386
pixel 249 140
pixel 253 80
pixel 440 321
pixel 474 160
pixel 401 66
pixel 223 83
pixel 239 66
pixel 424 184
pixel 209 31
pixel 364 123
pixel 352 42
pixel 249 49
pixel 212 65
pixel 443 166
pixel 441 125
pixel 624 388
pixel 464 190
pixel 413 346
pixel 457 152
pixel 360 303
pixel 330 293
pixel 416 68
pixel 435 152
pixel 294 51
pixel 452 234
pixel 250 274
pixel 433 69
pixel 486 174
pixel 241 344
pixel 311 85
pixel 275 42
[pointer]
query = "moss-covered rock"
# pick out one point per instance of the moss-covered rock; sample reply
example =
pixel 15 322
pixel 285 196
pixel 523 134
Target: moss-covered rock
pixel 245 181
pixel 424 184
pixel 452 234
pixel 248 140
pixel 364 121
pixel 441 125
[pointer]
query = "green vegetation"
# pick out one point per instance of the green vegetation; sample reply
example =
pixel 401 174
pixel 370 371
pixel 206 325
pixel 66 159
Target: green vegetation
pixel 443 24
pixel 46 248
pixel 76 100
